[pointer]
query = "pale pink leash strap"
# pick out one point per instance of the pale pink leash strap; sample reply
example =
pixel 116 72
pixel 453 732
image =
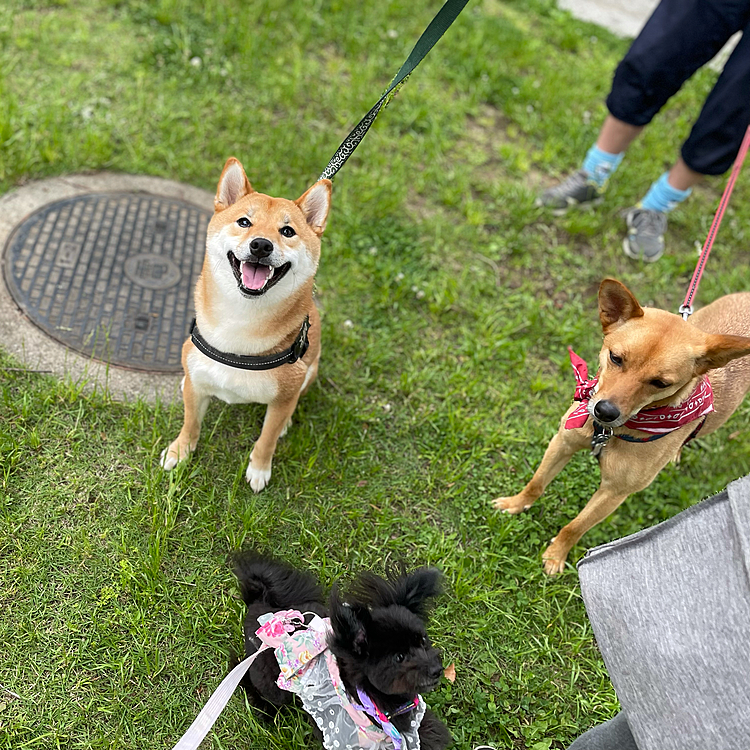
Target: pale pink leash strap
pixel 215 705
pixel 687 306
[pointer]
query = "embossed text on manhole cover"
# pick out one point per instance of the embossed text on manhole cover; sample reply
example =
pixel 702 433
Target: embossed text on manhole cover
pixel 111 275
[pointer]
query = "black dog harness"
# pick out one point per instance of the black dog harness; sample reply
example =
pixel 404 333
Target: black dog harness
pixel 249 362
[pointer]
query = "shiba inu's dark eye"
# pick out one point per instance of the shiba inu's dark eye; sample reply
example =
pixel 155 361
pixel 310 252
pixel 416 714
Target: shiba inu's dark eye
pixel 287 231
pixel 614 359
pixel 398 658
pixel 659 383
pixel 244 222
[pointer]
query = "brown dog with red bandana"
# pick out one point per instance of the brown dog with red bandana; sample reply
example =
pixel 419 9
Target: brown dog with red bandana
pixel 652 370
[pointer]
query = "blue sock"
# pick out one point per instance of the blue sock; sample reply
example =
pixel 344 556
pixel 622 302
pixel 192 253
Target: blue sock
pixel 663 197
pixel 599 165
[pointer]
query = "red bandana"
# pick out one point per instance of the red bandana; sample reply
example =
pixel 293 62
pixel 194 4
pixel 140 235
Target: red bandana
pixel 657 421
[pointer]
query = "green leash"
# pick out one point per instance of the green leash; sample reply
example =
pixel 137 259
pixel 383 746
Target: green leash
pixel 438 26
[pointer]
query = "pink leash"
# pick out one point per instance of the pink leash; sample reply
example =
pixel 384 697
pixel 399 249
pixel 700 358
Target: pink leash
pixel 687 306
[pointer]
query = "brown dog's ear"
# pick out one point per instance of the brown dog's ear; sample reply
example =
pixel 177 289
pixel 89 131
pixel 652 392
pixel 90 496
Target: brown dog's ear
pixel 616 304
pixel 233 185
pixel 720 350
pixel 315 204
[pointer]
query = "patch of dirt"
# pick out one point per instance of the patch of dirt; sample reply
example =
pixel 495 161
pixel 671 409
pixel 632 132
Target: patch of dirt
pixel 422 209
pixel 485 133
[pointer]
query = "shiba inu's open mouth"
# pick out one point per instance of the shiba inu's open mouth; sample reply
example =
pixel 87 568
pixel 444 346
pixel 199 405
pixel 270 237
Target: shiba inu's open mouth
pixel 254 279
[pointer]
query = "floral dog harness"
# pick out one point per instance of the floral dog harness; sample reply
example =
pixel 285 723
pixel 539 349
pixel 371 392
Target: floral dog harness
pixel 309 669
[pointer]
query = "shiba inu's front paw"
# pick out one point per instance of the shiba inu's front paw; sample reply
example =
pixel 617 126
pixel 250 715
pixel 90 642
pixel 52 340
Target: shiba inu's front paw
pixel 256 477
pixel 512 505
pixel 176 453
pixel 554 559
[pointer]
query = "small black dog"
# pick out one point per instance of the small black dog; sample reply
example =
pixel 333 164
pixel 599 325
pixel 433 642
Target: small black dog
pixel 377 637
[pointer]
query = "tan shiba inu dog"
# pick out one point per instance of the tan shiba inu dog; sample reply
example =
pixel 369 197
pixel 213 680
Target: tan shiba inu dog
pixel 655 361
pixel 252 299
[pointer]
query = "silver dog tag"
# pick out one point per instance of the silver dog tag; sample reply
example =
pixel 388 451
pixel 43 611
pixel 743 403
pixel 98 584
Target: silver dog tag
pixel 600 438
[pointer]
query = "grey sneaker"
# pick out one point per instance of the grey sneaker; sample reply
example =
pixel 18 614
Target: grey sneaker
pixel 645 239
pixel 572 191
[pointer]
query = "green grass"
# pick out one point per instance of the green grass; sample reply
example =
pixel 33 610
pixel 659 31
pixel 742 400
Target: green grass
pixel 117 607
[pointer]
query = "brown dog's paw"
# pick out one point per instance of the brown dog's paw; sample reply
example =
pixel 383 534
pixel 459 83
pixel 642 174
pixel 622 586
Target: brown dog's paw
pixel 513 505
pixel 175 454
pixel 554 560
pixel 553 567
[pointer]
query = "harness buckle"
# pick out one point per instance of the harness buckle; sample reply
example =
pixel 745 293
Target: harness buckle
pixel 301 343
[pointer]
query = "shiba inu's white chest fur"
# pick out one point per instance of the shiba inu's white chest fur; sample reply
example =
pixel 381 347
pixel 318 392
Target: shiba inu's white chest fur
pixel 230 384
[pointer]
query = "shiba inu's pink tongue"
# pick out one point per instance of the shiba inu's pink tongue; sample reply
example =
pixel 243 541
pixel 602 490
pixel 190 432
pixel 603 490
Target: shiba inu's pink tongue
pixel 255 276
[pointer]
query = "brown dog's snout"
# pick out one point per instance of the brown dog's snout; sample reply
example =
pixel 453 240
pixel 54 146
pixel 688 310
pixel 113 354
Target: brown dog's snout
pixel 606 411
pixel 261 247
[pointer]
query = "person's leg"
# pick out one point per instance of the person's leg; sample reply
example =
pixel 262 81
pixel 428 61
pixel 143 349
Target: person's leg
pixel 616 135
pixel 701 29
pixel 602 159
pixel 612 735
pixel 716 136
pixel 647 222
pixel 605 155
pixel 681 177
pixel 671 188
pixel 680 37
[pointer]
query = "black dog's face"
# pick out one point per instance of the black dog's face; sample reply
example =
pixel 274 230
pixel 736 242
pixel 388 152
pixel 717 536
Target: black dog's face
pixel 379 638
pixel 400 658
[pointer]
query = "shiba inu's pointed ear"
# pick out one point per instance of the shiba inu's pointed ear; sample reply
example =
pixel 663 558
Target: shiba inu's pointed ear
pixel 616 304
pixel 720 350
pixel 233 185
pixel 315 204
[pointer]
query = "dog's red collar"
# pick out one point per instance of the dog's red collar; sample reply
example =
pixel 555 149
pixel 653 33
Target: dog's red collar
pixel 658 422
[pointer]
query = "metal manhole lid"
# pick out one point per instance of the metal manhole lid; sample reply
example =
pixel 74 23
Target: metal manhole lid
pixel 111 275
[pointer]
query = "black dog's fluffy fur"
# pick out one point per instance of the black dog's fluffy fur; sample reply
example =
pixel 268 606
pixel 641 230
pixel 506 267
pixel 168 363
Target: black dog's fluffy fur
pixel 378 637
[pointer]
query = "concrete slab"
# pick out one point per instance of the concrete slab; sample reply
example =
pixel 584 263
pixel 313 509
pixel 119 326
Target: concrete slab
pixel 35 349
pixel 621 17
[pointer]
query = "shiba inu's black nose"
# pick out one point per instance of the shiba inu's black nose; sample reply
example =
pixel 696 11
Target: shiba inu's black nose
pixel 261 248
pixel 606 411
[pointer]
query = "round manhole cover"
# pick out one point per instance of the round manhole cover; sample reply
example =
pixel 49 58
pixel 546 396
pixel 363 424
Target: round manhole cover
pixel 111 275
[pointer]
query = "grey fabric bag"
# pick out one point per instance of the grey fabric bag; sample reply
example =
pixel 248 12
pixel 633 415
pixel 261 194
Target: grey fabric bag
pixel 670 608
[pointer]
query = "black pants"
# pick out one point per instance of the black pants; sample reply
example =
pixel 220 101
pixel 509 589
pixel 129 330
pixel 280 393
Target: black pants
pixel 612 735
pixel 680 37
